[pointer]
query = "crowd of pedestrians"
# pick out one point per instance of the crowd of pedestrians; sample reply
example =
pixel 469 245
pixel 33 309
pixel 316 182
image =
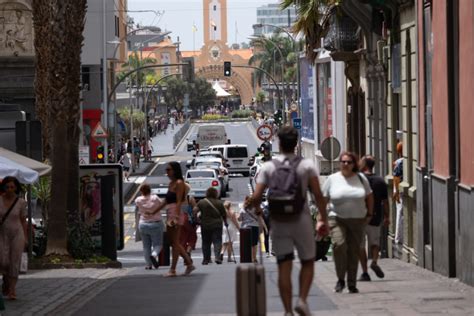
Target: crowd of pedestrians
pixel 352 209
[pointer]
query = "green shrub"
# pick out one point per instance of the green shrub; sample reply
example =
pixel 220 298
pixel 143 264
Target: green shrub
pixel 241 113
pixel 212 117
pixel 80 243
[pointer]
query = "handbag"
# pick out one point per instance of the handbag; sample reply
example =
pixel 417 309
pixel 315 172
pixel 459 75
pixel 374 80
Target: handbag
pixel 24 263
pixel 4 218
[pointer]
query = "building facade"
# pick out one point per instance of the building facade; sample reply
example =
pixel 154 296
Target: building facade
pixel 445 197
pixel 272 14
pixel 114 19
pixel 17 68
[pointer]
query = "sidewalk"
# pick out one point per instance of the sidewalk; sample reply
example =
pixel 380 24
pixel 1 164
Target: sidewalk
pixel 163 143
pixel 210 290
pixel 163 146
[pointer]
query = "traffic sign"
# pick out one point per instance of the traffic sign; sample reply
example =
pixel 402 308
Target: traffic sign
pixel 264 132
pixel 297 123
pixel 83 155
pixel 99 131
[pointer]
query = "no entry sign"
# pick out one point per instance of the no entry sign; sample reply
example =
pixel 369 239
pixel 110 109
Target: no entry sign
pixel 264 132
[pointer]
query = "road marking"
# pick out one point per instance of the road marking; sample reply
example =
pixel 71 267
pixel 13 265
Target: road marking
pixel 156 166
pixel 140 180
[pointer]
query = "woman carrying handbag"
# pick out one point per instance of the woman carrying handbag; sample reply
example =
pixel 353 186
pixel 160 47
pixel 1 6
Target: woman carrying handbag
pixel 13 235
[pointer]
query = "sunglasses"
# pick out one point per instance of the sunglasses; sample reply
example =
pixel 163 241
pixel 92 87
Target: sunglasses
pixel 346 162
pixel 168 169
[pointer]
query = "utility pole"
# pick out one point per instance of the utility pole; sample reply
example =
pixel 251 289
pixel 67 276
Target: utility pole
pixel 105 110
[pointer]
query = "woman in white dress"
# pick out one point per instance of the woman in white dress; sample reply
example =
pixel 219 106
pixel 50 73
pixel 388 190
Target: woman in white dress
pixel 230 235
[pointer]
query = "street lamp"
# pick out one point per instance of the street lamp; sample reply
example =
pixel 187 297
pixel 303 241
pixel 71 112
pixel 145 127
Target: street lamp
pixel 263 38
pixel 298 83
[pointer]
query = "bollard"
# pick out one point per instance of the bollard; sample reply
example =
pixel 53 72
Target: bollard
pixel 2 304
pixel 245 245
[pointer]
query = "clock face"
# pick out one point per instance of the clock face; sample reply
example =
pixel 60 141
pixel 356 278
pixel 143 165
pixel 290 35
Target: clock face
pixel 215 52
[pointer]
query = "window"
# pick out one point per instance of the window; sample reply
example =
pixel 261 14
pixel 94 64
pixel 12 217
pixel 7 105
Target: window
pixel 215 8
pixel 237 152
pixel 86 79
pixel 201 174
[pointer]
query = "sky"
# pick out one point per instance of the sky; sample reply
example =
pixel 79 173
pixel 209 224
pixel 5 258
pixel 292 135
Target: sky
pixel 180 15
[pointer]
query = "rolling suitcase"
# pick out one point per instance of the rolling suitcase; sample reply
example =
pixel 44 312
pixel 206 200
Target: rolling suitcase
pixel 245 245
pixel 250 288
pixel 164 256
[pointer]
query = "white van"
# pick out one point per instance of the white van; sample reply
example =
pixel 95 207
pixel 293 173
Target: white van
pixel 211 134
pixel 237 157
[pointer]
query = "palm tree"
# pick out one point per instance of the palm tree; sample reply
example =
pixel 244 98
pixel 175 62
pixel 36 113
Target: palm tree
pixel 310 14
pixel 41 11
pixel 134 62
pixel 61 70
pixel 267 57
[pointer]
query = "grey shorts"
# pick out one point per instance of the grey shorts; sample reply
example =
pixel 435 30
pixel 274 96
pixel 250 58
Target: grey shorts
pixel 297 233
pixel 372 235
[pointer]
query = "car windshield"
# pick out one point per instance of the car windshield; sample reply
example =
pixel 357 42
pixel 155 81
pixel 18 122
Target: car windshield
pixel 237 152
pixel 200 174
pixel 205 163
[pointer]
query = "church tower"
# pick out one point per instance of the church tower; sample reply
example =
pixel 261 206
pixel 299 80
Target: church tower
pixel 215 21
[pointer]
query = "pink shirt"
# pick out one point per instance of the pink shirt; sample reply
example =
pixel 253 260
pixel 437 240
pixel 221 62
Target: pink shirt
pixel 148 204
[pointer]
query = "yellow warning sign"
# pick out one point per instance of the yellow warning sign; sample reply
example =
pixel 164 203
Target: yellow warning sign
pixel 99 131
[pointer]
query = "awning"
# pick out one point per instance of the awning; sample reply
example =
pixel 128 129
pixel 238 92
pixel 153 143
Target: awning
pixel 25 169
pixel 219 91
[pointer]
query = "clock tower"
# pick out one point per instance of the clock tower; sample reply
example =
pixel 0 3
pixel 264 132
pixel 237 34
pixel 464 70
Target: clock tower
pixel 215 21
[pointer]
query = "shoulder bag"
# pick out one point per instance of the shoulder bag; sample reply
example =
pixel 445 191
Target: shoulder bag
pixel 4 218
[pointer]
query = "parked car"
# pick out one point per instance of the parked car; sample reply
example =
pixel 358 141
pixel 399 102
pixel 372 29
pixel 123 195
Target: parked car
pixel 215 163
pixel 237 157
pixel 159 185
pixel 206 154
pixel 202 179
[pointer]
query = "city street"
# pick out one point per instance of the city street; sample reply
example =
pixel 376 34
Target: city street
pixel 210 290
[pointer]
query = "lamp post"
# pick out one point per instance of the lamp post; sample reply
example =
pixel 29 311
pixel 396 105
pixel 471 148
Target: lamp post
pixel 263 38
pixel 298 83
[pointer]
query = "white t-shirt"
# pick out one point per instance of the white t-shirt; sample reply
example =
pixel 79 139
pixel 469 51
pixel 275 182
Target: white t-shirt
pixel 347 195
pixel 305 170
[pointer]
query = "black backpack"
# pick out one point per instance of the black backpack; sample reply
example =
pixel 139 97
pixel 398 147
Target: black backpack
pixel 284 188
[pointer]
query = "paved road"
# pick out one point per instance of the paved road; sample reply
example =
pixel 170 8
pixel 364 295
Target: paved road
pixel 212 288
pixel 406 289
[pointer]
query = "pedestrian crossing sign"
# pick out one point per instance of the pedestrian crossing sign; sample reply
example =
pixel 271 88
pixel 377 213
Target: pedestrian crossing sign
pixel 99 131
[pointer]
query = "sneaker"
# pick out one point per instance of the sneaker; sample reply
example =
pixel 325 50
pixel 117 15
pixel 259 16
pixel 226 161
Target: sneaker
pixel 340 285
pixel 364 277
pixel 353 289
pixel 302 308
pixel 154 262
pixel 377 270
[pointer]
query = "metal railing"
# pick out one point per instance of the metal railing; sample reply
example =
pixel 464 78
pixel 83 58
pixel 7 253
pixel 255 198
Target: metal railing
pixel 180 134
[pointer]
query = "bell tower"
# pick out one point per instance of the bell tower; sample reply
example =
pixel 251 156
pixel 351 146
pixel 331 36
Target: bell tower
pixel 215 21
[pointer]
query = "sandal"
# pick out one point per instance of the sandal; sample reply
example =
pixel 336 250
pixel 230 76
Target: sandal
pixel 170 274
pixel 190 268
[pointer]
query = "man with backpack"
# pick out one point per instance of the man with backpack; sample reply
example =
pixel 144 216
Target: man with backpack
pixel 288 177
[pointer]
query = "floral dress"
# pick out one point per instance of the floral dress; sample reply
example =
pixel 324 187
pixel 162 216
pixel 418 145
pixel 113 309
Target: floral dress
pixel 12 238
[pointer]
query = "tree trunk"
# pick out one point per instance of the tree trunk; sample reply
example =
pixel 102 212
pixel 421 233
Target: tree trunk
pixel 57 226
pixel 65 40
pixel 41 22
